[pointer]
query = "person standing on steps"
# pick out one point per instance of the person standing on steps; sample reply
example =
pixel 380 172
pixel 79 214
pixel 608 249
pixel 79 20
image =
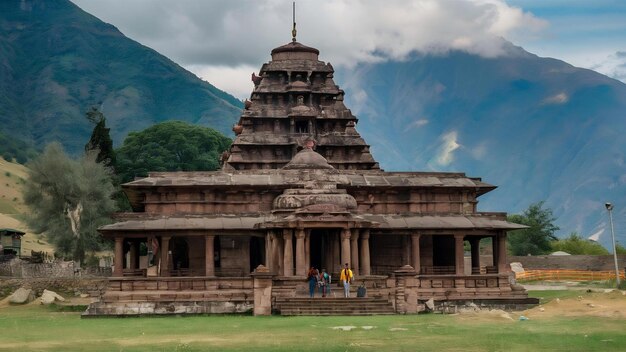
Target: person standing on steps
pixel 312 279
pixel 326 281
pixel 346 277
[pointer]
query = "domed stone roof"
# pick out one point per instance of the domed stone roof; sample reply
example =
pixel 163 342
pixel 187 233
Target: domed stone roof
pixel 295 47
pixel 308 159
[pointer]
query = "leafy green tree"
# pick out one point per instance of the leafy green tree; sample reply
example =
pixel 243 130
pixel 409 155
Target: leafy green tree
pixel 620 249
pixel 69 199
pixel 170 146
pixel 537 238
pixel 575 244
pixel 100 140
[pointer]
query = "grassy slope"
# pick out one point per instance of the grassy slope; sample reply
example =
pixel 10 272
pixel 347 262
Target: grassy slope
pixel 12 208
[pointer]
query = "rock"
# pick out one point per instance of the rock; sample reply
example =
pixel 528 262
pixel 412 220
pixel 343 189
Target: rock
pixel 517 287
pixel 430 304
pixel 557 300
pixel 84 295
pixel 591 305
pixel 541 309
pixel 21 295
pixel 517 267
pixel 48 297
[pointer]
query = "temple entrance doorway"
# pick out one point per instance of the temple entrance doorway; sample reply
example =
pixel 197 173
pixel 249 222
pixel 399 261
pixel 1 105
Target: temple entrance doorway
pixel 180 253
pixel 257 252
pixel 321 248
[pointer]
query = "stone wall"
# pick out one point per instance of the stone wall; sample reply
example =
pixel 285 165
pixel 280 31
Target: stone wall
pixel 577 262
pixel 59 269
pixel 94 287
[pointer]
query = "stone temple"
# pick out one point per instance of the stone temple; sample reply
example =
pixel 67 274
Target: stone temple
pixel 300 188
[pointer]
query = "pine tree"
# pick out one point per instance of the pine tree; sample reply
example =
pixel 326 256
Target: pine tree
pixel 100 139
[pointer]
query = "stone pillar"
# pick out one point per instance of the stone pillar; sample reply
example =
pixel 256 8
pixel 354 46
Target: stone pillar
pixel 406 290
pixel 475 245
pixel 280 250
pixel 134 255
pixel 288 256
pixel 165 247
pixel 118 265
pixel 307 249
pixel 301 268
pixel 354 251
pixel 262 289
pixel 459 255
pixel 272 255
pixel 337 265
pixel 415 252
pixel 365 252
pixel 209 255
pixel 502 267
pixel 345 247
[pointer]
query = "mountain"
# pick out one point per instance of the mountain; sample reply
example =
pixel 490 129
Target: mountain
pixel 538 128
pixel 56 61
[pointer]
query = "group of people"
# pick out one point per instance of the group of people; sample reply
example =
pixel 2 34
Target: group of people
pixel 323 280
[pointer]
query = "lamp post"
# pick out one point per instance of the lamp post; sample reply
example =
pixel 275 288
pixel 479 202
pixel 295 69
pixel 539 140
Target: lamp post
pixel 609 207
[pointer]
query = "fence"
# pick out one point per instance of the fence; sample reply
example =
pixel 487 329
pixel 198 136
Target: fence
pixel 567 275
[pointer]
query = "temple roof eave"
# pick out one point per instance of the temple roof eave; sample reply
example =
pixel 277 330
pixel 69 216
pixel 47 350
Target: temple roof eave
pixel 267 221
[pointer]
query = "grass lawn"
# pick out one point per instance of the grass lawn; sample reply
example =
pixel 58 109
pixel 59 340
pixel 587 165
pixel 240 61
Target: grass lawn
pixel 38 328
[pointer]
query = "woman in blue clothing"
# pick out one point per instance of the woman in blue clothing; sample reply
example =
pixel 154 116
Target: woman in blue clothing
pixel 312 278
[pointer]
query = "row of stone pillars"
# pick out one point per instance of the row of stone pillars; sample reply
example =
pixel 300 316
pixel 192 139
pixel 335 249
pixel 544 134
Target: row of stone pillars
pixel 499 252
pixel 162 257
pixel 353 244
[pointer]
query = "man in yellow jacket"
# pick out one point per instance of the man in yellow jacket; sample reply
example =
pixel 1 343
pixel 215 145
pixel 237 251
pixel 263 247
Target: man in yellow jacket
pixel 346 277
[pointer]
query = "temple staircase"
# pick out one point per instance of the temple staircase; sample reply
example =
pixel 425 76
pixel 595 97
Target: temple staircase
pixel 334 306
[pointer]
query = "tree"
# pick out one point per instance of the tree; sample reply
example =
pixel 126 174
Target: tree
pixel 575 244
pixel 536 238
pixel 100 140
pixel 170 146
pixel 69 199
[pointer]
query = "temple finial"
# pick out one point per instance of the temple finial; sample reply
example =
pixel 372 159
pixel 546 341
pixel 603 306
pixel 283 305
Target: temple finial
pixel 293 31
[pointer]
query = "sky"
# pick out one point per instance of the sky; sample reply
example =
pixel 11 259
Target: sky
pixel 225 41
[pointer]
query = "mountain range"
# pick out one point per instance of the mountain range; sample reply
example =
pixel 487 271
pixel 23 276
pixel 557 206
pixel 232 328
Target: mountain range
pixel 539 128
pixel 57 61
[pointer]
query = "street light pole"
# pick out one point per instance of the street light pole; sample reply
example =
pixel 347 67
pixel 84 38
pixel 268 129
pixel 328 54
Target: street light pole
pixel 609 207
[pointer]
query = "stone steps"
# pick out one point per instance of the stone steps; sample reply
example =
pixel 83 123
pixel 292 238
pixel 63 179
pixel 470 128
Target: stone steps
pixel 334 306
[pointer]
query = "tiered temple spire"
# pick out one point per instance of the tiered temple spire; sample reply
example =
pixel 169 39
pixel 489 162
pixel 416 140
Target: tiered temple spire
pixel 294 99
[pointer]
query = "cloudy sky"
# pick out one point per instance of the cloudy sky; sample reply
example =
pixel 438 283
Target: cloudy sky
pixel 224 41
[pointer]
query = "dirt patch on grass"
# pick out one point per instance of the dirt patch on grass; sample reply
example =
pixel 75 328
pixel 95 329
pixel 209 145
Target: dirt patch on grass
pixel 595 304
pixel 609 304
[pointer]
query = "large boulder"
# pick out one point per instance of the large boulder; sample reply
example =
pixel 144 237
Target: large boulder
pixel 21 296
pixel 48 297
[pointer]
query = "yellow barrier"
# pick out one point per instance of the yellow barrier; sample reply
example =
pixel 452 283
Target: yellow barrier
pixel 567 275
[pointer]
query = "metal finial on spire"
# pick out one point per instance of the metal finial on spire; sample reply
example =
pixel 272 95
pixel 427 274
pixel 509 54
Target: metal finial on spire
pixel 293 31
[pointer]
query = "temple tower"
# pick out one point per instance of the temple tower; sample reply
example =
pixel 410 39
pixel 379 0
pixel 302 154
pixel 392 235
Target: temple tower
pixel 294 100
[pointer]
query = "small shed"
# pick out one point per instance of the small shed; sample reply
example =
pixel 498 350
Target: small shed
pixel 10 241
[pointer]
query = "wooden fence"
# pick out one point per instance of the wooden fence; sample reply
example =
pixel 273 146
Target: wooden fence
pixel 567 275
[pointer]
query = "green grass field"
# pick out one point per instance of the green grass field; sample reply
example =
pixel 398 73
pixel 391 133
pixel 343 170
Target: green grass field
pixel 39 328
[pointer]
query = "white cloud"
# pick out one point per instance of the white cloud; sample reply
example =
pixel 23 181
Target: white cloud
pixel 234 80
pixel 557 99
pixel 419 123
pixel 447 148
pixel 613 65
pixel 235 33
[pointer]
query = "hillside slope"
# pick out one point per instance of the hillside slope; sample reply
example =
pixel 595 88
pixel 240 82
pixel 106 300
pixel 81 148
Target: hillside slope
pixel 56 61
pixel 538 128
